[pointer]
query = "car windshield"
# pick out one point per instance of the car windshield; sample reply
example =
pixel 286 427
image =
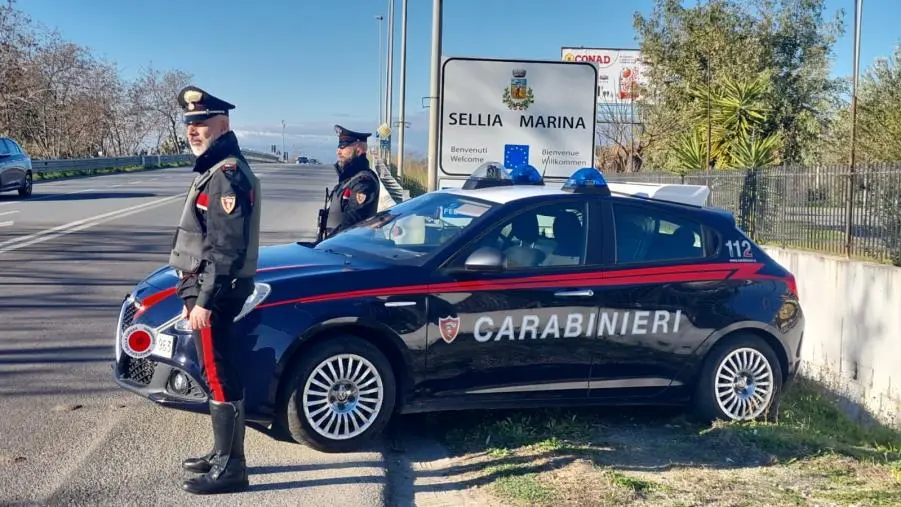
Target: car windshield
pixel 412 230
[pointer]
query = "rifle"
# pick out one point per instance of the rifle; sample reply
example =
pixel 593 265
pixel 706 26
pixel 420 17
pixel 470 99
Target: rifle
pixel 323 217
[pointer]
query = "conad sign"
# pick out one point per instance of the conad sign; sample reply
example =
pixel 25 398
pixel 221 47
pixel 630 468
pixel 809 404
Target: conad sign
pixel 602 59
pixel 620 71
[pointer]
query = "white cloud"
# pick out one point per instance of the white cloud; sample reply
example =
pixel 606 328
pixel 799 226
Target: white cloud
pixel 317 139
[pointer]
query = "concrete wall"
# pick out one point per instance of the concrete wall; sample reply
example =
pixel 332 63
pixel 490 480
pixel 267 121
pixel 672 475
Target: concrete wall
pixel 852 338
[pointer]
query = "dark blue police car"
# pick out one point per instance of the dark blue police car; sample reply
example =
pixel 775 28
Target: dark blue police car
pixel 506 293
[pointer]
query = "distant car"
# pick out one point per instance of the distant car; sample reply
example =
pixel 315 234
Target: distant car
pixel 303 160
pixel 507 293
pixel 15 168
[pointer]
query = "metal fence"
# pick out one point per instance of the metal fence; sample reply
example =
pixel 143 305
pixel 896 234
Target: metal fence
pixel 148 161
pixel 831 210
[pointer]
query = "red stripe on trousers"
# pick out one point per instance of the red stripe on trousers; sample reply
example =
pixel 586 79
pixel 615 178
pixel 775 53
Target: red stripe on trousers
pixel 206 338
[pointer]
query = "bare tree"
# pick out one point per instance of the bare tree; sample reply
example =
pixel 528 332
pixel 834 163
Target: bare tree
pixel 59 100
pixel 627 129
pixel 161 92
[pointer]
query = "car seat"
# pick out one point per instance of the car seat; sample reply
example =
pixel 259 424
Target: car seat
pixel 524 233
pixel 570 236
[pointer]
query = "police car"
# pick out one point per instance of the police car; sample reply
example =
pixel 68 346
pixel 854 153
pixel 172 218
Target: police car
pixel 507 293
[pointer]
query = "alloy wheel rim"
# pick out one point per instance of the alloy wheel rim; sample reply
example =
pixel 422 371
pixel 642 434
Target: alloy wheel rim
pixel 343 396
pixel 744 384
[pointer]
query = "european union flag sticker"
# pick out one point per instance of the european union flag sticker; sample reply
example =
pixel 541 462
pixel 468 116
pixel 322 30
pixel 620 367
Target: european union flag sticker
pixel 516 155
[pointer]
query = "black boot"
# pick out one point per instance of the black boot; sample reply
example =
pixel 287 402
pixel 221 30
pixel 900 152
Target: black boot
pixel 228 467
pixel 199 465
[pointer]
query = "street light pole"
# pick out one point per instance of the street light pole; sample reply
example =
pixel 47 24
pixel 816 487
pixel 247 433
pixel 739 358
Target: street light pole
pixel 284 153
pixel 379 18
pixel 401 107
pixel 434 103
pixel 858 6
pixel 389 96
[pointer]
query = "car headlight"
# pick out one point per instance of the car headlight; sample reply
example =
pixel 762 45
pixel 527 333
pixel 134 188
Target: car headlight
pixel 260 293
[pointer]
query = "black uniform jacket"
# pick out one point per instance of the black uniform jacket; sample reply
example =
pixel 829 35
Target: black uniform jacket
pixel 218 237
pixel 355 197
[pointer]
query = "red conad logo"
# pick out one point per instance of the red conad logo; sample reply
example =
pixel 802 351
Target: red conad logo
pixel 603 59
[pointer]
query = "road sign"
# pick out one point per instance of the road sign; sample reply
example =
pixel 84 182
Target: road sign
pixel 622 73
pixel 517 112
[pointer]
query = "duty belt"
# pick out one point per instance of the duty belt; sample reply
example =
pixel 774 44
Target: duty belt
pixel 200 277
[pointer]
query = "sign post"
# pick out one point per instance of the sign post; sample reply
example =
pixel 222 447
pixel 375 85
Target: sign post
pixel 516 112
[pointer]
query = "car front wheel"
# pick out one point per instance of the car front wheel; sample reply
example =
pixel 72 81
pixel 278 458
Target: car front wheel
pixel 27 187
pixel 741 380
pixel 342 394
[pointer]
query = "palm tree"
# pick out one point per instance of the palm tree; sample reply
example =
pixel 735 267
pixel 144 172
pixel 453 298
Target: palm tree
pixel 738 118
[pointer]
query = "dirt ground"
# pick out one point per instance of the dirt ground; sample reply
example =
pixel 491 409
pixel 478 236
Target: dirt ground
pixel 812 455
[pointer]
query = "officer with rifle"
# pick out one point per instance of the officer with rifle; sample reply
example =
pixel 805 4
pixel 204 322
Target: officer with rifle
pixel 214 253
pixel 356 196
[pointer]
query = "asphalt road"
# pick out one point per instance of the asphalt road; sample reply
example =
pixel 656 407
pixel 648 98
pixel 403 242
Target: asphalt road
pixel 68 435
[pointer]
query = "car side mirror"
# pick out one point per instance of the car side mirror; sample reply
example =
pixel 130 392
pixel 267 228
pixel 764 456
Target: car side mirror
pixel 486 260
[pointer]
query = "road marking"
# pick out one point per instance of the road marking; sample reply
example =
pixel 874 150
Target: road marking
pixel 7 223
pixel 43 198
pixel 9 212
pixel 78 225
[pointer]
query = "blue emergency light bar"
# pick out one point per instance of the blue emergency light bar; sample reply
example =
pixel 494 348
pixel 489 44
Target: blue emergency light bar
pixel 494 174
pixel 587 180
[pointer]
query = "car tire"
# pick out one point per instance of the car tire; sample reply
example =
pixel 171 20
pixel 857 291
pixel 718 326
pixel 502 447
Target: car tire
pixel 748 371
pixel 371 410
pixel 27 190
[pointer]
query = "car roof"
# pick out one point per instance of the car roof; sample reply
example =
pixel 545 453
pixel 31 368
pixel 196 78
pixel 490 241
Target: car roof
pixel 505 195
pixel 693 196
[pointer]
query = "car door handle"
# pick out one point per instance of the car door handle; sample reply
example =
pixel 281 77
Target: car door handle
pixel 391 304
pixel 574 293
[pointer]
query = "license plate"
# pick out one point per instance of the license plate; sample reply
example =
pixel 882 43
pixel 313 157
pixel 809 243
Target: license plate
pixel 163 346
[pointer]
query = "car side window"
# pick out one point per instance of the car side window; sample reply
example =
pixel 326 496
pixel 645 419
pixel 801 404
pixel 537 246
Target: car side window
pixel 544 236
pixel 645 234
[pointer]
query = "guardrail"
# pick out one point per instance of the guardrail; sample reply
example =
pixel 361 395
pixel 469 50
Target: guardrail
pixel 260 156
pixel 148 161
pixel 397 191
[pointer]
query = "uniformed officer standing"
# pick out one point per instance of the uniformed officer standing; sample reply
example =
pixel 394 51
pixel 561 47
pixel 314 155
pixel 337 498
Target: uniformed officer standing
pixel 215 253
pixel 356 196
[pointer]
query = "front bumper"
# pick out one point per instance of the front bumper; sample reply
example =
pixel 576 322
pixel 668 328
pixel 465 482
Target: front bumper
pixel 170 381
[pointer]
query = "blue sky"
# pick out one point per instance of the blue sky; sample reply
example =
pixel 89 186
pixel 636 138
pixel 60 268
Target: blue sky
pixel 313 63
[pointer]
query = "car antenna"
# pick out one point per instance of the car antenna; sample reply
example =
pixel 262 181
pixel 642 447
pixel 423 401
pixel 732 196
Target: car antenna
pixel 544 169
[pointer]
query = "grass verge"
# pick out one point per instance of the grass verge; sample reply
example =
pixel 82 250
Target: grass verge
pixel 415 178
pixel 813 454
pixel 82 173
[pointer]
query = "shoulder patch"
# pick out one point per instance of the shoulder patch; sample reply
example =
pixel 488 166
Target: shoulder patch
pixel 228 203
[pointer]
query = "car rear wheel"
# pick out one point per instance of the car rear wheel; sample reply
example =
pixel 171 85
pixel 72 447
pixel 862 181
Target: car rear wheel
pixel 28 187
pixel 342 394
pixel 741 380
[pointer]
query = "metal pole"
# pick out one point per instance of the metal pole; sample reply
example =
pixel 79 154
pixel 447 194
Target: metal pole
pixel 401 109
pixel 284 153
pixel 389 96
pixel 632 129
pixel 381 80
pixel 707 66
pixel 849 206
pixel 434 103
